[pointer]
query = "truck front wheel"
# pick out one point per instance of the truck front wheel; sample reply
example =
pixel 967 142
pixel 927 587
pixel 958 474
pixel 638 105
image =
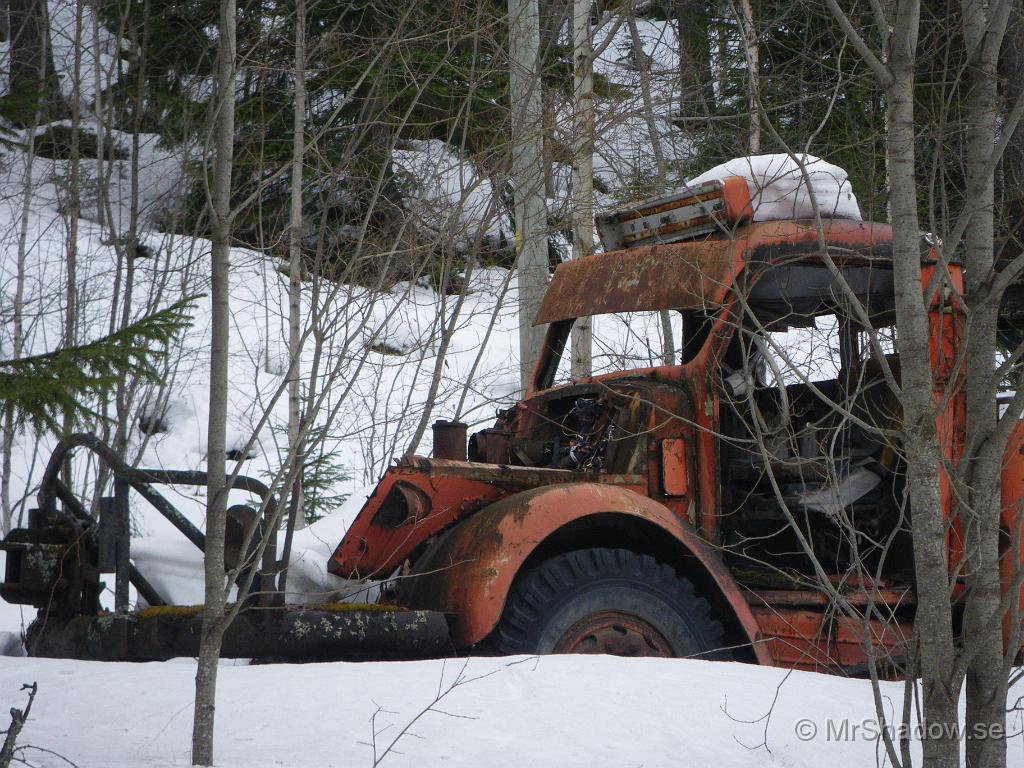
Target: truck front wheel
pixel 610 601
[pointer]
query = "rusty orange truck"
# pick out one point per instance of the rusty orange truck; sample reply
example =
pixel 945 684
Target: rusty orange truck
pixel 679 510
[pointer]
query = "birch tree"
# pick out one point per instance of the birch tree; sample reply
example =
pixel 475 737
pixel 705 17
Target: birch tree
pixel 582 170
pixel 527 175
pixel 213 625
pixel 295 267
pixel 988 667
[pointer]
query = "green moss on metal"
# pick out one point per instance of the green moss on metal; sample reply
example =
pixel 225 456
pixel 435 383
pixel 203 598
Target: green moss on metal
pixel 170 611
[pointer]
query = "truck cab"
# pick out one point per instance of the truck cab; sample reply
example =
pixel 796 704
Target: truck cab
pixel 765 461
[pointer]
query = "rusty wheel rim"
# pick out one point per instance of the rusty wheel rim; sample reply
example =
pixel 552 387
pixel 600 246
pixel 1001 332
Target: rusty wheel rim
pixel 614 633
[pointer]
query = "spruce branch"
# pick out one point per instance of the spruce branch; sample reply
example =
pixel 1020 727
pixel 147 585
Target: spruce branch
pixel 41 388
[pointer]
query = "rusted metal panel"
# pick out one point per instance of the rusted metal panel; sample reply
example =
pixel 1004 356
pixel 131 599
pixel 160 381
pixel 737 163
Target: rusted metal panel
pixel 681 215
pixel 1011 560
pixel 820 641
pixel 450 440
pixel 468 573
pixel 381 537
pixel 650 278
pixel 675 476
pixel 698 273
pixel 808 597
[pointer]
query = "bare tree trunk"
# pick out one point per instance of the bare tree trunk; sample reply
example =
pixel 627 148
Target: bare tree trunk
pixel 1011 70
pixel 213 561
pixel 986 677
pixel 582 363
pixel 131 242
pixel 295 450
pixel 934 618
pixel 74 205
pixel 697 89
pixel 447 333
pixel 643 64
pixel 18 322
pixel 527 176
pixel 753 58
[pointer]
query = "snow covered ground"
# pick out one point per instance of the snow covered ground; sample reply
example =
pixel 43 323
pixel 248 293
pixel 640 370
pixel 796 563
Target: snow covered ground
pixel 503 713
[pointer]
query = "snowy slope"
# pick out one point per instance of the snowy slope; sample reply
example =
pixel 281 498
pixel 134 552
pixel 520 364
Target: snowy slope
pixel 564 711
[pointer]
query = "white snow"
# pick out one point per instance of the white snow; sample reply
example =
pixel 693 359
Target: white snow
pixel 567 711
pixel 779 189
pixel 373 400
pixel 175 567
pixel 447 194
pixel 97 57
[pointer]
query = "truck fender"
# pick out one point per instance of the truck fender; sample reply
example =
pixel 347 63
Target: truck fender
pixel 467 573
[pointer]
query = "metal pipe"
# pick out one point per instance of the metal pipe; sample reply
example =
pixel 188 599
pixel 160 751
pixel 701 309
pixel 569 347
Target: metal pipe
pixel 450 440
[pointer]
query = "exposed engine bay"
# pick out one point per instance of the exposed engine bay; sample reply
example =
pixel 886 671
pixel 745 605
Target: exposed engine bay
pixel 586 430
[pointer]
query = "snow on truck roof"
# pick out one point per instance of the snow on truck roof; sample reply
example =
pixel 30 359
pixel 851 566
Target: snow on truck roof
pixel 699 274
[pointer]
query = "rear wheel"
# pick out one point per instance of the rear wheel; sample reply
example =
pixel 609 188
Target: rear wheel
pixel 609 601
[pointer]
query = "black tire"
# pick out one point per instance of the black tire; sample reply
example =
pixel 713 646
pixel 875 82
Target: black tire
pixel 606 601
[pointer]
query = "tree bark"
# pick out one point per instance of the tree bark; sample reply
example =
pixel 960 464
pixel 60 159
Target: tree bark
pixel 582 363
pixel 643 64
pixel 73 207
pixel 752 55
pixel 18 328
pixel 295 451
pixel 934 618
pixel 986 677
pixel 527 176
pixel 213 624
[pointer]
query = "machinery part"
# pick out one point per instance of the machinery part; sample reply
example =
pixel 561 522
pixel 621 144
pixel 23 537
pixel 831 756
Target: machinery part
pixel 52 567
pixel 450 440
pixel 610 601
pixel 241 521
pixel 323 633
pixel 95 547
pixel 404 505
pixel 681 215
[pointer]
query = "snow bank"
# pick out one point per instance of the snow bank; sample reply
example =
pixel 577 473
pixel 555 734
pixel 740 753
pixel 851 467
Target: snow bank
pixel 778 189
pixel 589 711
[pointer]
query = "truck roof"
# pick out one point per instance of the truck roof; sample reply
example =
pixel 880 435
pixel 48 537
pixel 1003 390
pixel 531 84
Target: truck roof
pixel 699 273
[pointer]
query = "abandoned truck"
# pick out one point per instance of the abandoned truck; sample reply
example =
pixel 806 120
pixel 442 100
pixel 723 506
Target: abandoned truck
pixel 680 510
